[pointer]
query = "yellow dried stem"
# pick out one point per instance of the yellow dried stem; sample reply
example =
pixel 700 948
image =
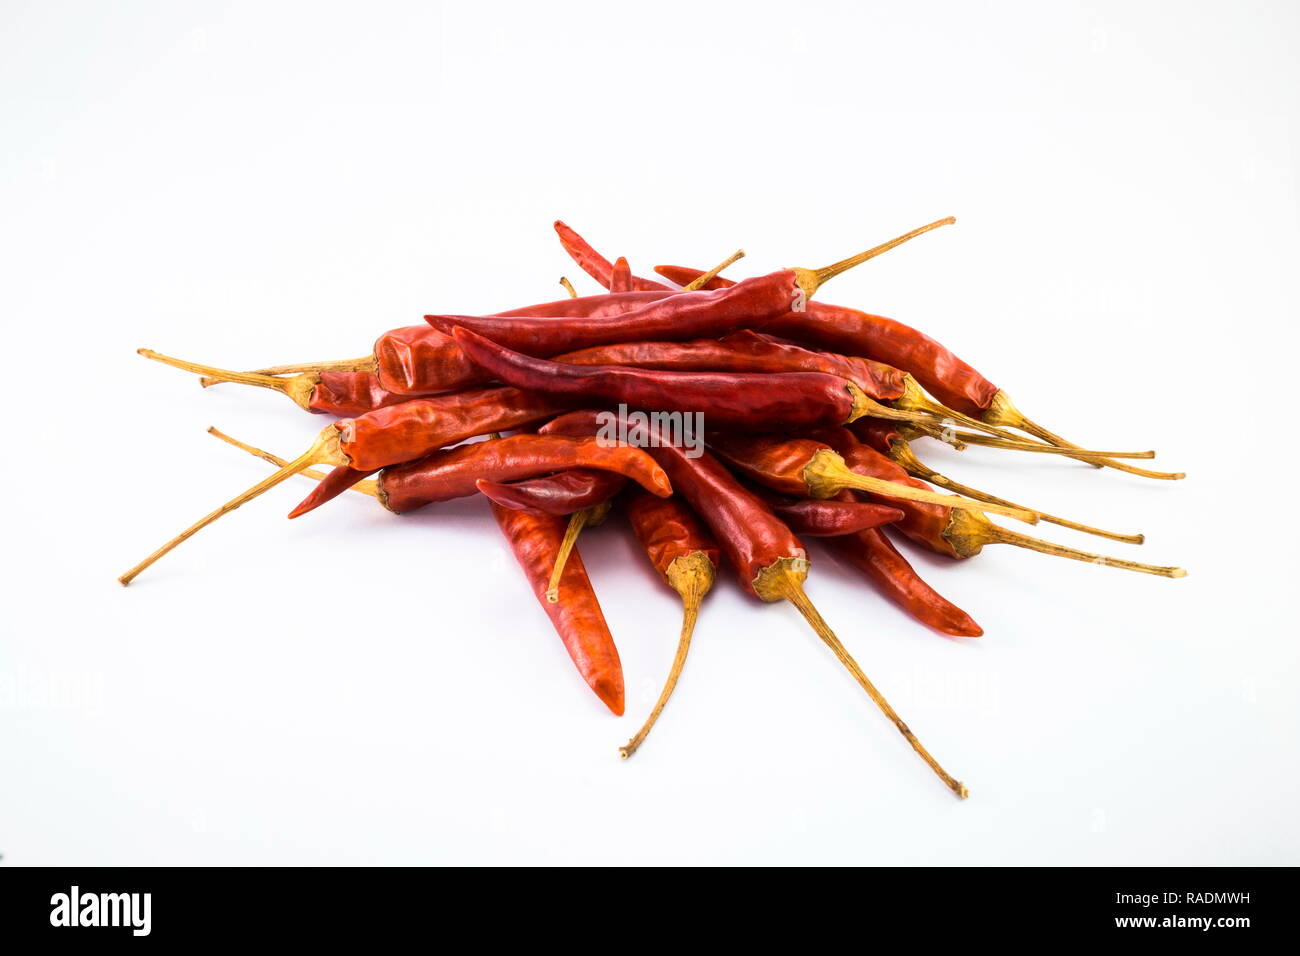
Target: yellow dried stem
pixel 968 534
pixel 577 521
pixel 784 580
pixel 703 279
pixel 1038 448
pixel 827 475
pixel 568 287
pixel 902 453
pixel 810 280
pixel 1002 412
pixel 367 486
pixel 691 576
pixel 297 387
pixel 324 451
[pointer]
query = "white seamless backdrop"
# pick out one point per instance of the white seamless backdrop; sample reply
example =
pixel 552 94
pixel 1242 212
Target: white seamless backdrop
pixel 251 184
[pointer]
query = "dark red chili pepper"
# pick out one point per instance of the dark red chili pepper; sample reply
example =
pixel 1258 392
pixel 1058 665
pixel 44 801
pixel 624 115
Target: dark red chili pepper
pixel 686 557
pixel 769 559
pixel 727 399
pixel 559 494
pixel 806 468
pixel 959 533
pixel 743 351
pixel 945 376
pixel 535 539
pixel 827 518
pixel 890 441
pixel 872 553
pixel 676 317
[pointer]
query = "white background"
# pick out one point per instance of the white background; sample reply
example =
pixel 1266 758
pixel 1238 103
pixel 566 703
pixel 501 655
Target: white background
pixel 251 184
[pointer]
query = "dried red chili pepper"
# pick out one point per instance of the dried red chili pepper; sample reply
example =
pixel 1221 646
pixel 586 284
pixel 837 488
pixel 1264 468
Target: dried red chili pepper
pixel 891 442
pixel 945 376
pixel 769 559
pixel 827 518
pixel 559 494
pixel 620 279
pixel 535 539
pixel 728 399
pixel 806 468
pixel 686 557
pixel 675 317
pixel 872 553
pixel 593 263
pixel 956 533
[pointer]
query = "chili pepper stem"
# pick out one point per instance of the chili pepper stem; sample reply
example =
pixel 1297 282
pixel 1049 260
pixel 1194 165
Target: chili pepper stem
pixel 346 365
pixel 324 451
pixel 702 280
pixel 914 399
pixel 1036 447
pixel 810 280
pixel 691 576
pixel 577 521
pixel 968 534
pixel 1001 411
pixel 366 486
pixel 297 387
pixel 568 287
pixel 902 454
pixel 784 580
pixel 827 475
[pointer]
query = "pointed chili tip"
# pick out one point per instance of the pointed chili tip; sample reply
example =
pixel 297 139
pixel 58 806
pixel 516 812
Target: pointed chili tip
pixel 610 691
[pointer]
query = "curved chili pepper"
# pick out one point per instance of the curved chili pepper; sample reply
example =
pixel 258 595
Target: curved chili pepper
pixel 945 376
pixel 769 559
pixel 955 533
pixel 535 538
pixel 728 399
pixel 350 393
pixel 744 351
pixel 683 316
pixel 890 441
pixel 593 263
pixel 686 557
pixel 872 553
pixel 806 468
pixel 560 494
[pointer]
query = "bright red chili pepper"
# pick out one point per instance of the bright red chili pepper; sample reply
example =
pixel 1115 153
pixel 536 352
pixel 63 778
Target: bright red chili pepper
pixel 770 560
pixel 827 518
pixel 535 539
pixel 620 279
pixel 594 264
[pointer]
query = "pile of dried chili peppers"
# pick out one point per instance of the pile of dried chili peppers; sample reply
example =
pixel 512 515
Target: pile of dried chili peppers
pixel 725 420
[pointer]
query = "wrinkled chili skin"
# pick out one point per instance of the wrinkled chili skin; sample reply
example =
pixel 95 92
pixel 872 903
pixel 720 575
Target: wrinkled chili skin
pixel 923 522
pixel 942 374
pixel 776 463
pixel 747 531
pixel 877 433
pixel 743 351
pixel 593 263
pixel 453 472
pixel 686 315
pixel 413 429
pixel 350 393
pixel 602 306
pixel 828 518
pixel 560 494
pixel 872 553
pixel 667 529
pixel 535 540
pixel 418 360
pixel 741 400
